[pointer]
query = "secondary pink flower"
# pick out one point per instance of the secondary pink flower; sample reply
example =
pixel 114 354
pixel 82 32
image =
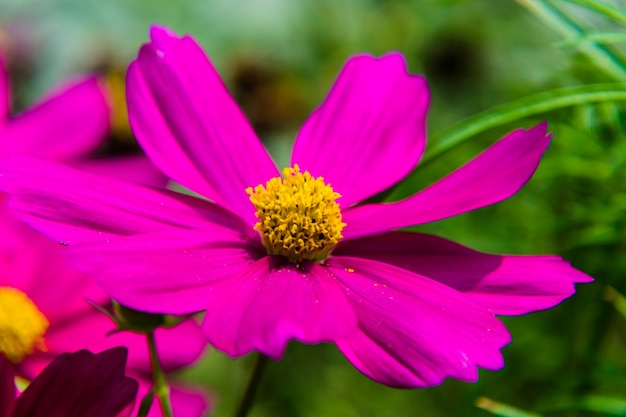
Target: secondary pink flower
pixel 271 259
pixel 48 298
pixel 40 295
pixel 73 385
pixel 69 122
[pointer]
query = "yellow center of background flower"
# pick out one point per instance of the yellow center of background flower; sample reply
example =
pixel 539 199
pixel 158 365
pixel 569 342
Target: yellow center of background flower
pixel 299 217
pixel 22 325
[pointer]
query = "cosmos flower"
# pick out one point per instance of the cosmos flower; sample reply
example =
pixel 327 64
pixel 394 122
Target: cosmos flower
pixel 73 385
pixel 43 308
pixel 303 256
pixel 44 313
pixel 67 123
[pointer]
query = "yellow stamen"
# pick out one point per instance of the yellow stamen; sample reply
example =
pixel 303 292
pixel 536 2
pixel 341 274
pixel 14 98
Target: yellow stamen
pixel 115 80
pixel 22 325
pixel 299 217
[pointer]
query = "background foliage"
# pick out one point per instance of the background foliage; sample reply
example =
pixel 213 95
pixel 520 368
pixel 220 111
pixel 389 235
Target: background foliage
pixel 560 61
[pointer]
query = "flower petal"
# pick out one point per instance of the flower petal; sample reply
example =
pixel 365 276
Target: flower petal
pixel 93 330
pixel 187 402
pixel 33 264
pixel 189 125
pixel 168 272
pixel 413 331
pixel 72 206
pixel 8 390
pixel 272 302
pixel 132 168
pixel 69 123
pixel 172 354
pixel 80 384
pixel 370 132
pixel 506 285
pixel 494 175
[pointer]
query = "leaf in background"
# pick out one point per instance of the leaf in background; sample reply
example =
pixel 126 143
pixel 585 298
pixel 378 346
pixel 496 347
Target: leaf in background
pixel 619 302
pixel 502 410
pixel 603 8
pixel 524 107
pixel 600 37
pixel 602 404
pixel 553 17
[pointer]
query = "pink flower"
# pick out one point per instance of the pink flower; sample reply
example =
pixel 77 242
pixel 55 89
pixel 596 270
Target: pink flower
pixel 33 266
pixel 271 259
pixel 77 384
pixel 65 126
pixel 68 124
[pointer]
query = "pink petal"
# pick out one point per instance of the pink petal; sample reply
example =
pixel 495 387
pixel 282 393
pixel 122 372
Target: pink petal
pixel 187 402
pixel 181 345
pixel 34 265
pixel 272 302
pixel 73 206
pixel 5 92
pixel 506 285
pixel 189 125
pixel 80 384
pixel 413 331
pixel 169 272
pixel 93 330
pixel 8 391
pixel 494 175
pixel 70 122
pixel 133 168
pixel 370 132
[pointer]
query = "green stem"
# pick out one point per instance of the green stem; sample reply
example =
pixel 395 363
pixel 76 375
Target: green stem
pixel 602 57
pixel 248 397
pixel 161 389
pixel 146 404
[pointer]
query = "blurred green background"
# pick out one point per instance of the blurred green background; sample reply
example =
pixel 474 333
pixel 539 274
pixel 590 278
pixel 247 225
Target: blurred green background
pixel 279 58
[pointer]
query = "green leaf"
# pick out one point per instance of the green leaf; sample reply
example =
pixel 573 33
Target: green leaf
pixel 602 404
pixel 600 37
pixel 527 106
pixel 502 410
pixel 146 404
pixel 617 299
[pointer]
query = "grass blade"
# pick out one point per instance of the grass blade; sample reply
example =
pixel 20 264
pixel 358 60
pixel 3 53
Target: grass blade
pixel 527 106
pixel 502 410
pixel 601 56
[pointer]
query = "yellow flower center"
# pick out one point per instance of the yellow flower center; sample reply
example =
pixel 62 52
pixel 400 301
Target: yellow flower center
pixel 299 217
pixel 115 80
pixel 22 325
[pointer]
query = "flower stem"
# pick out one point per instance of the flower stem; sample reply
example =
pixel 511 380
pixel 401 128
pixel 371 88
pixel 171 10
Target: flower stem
pixel 161 389
pixel 248 398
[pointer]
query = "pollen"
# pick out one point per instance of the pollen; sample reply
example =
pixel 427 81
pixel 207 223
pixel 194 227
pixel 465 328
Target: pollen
pixel 299 217
pixel 22 325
